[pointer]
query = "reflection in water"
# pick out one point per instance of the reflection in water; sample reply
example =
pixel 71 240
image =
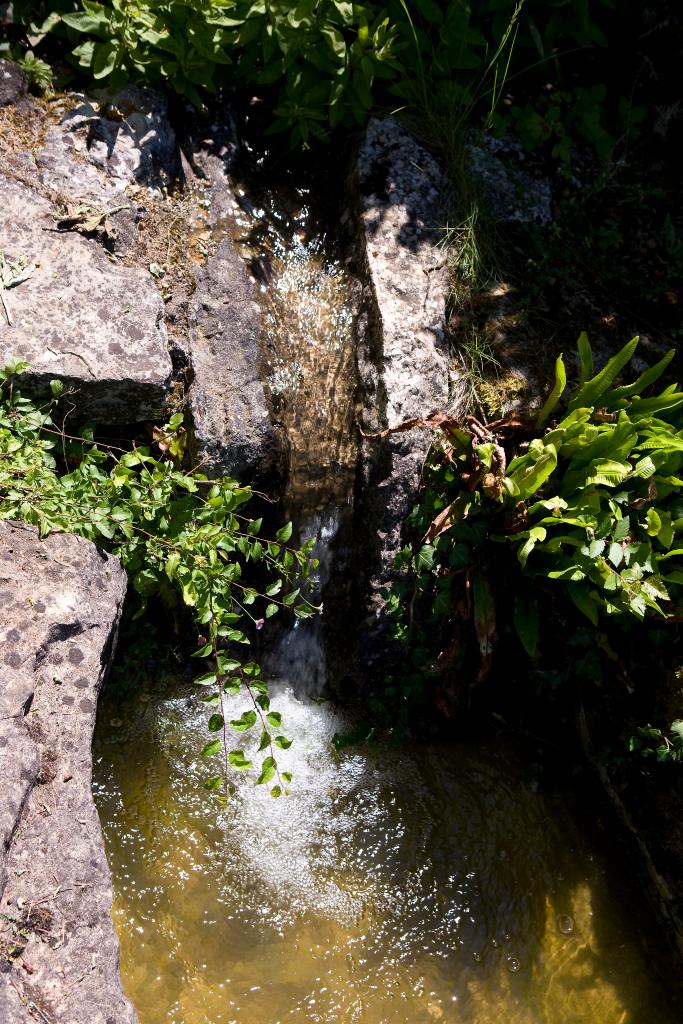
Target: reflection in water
pixel 426 884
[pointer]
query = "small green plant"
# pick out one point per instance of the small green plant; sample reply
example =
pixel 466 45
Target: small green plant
pixel 37 71
pixel 651 742
pixel 180 536
pixel 520 515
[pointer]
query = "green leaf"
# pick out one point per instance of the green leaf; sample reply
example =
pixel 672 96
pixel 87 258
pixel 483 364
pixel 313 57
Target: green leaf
pixel 245 721
pixel 209 679
pixel 105 58
pixel 585 358
pixel 211 748
pixel 238 761
pixel 268 771
pixel 56 387
pixel 284 534
pixel 276 791
pixel 424 559
pixel 555 394
pixel 527 623
pixel 264 741
pixel 96 20
pixel 646 379
pixel 274 719
pixel 216 722
pixel 533 470
pixel 607 472
pixel 282 742
pixel 590 392
pixel 622 528
pixel 535 535
pixel 654 523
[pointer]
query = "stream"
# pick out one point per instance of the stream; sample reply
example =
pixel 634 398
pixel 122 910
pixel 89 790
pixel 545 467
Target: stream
pixel 429 882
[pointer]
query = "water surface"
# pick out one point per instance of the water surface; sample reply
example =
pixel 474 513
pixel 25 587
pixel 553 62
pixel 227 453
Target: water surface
pixel 428 883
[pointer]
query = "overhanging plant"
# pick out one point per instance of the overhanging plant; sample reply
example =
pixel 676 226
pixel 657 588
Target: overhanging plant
pixel 178 534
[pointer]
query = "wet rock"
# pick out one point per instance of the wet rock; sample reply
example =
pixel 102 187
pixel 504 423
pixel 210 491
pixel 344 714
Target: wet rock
pixel 233 432
pixel 81 316
pixel 403 360
pixel 59 961
pixel 13 83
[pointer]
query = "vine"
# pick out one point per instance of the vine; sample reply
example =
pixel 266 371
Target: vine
pixel 178 534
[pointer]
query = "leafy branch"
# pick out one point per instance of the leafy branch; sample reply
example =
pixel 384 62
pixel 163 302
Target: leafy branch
pixel 175 532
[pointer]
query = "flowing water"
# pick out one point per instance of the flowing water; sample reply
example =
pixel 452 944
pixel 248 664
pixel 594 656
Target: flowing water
pixel 430 883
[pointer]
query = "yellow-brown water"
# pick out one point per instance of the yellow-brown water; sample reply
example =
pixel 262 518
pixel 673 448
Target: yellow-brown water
pixel 426 884
pixel 308 343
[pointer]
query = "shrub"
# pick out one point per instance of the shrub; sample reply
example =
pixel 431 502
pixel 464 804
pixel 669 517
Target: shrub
pixel 326 63
pixel 522 514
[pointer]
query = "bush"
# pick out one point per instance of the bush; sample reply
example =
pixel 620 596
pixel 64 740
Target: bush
pixel 522 516
pixel 324 63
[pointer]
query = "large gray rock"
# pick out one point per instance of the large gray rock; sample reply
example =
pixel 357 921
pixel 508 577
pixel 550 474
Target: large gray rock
pixel 106 144
pixel 233 431
pixel 403 359
pixel 61 601
pixel 80 316
pixel 513 195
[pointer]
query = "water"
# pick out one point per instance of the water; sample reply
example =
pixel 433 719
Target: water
pixel 427 883
pixel 308 343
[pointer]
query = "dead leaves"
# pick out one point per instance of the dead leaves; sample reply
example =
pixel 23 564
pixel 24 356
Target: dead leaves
pixel 485 469
pixel 86 219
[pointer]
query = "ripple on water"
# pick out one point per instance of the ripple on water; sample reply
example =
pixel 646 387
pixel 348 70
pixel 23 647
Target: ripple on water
pixel 392 885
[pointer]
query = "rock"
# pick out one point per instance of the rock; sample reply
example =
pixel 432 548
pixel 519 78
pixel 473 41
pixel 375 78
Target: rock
pixel 403 359
pixel 513 195
pixel 13 83
pixel 80 317
pixel 101 148
pixel 233 431
pixel 61 601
